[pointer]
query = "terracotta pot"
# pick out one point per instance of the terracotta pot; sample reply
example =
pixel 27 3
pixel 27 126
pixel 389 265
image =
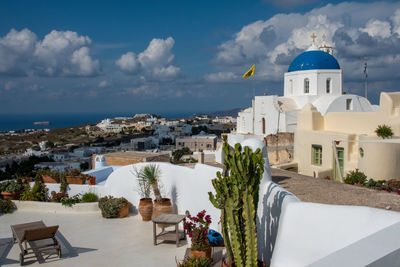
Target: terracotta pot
pixel 26 180
pixel 49 180
pixel 75 180
pixel 226 265
pixel 92 181
pixel 124 211
pixel 164 207
pixel 146 208
pixel 12 196
pixel 199 254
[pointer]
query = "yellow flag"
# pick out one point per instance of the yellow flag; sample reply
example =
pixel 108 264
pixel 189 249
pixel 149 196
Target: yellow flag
pixel 250 72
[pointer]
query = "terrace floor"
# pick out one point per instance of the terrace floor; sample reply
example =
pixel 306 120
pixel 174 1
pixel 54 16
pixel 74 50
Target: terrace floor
pixel 90 240
pixel 324 191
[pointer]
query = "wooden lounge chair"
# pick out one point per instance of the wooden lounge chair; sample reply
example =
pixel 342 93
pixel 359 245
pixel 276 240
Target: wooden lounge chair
pixel 31 233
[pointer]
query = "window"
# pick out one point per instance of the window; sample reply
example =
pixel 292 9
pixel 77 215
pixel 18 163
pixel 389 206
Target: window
pixel 263 125
pixel 208 146
pixel 349 104
pixel 291 86
pixel 328 85
pixel 306 85
pixel 361 152
pixel 316 155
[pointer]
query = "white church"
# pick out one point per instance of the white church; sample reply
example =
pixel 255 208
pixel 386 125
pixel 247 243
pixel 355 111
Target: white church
pixel 313 77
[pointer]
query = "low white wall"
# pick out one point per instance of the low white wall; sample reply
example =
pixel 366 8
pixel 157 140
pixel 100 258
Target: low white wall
pixel 54 207
pixel 309 232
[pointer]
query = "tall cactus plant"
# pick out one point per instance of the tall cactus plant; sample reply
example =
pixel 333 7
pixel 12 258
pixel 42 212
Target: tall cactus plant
pixel 237 198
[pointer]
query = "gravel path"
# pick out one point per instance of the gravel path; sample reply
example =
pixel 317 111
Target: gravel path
pixel 311 189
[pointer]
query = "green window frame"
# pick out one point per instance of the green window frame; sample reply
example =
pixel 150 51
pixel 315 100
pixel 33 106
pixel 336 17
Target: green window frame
pixel 317 155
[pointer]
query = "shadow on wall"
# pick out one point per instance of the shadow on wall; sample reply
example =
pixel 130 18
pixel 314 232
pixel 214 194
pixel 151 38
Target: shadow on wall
pixel 174 198
pixel 272 205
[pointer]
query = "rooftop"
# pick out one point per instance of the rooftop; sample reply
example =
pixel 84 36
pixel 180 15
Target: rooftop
pixel 133 154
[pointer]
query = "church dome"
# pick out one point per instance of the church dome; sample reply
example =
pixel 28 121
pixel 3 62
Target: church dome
pixel 314 60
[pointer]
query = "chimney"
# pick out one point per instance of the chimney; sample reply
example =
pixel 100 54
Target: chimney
pixel 200 155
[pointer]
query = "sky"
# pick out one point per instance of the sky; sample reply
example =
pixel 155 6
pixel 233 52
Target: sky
pixel 182 56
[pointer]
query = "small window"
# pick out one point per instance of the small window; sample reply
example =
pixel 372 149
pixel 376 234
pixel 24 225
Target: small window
pixel 328 85
pixel 317 155
pixel 361 152
pixel 349 104
pixel 291 86
pixel 306 85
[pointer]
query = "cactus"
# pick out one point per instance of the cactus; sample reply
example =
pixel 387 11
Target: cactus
pixel 237 197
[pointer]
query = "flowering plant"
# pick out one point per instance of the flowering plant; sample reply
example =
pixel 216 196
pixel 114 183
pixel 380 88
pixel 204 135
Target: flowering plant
pixel 197 228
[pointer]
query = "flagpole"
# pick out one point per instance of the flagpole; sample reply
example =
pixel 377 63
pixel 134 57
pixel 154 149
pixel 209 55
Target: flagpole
pixel 366 78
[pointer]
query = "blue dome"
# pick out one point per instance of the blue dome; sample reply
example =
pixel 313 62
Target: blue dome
pixel 314 60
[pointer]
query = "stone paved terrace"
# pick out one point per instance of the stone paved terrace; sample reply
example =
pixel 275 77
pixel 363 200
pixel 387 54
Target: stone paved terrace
pixel 90 240
pixel 324 191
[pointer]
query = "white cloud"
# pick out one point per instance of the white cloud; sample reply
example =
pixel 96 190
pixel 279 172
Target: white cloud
pixel 353 29
pixel 156 61
pixel 221 77
pixel 128 62
pixel 60 53
pixel 377 28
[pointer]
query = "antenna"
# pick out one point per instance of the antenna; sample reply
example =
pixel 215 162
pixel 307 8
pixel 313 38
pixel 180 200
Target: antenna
pixel 365 77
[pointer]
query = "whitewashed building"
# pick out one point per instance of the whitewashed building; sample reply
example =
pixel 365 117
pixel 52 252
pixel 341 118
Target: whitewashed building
pixel 313 77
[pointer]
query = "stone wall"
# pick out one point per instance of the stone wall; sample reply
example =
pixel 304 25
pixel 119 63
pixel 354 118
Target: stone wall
pixel 280 147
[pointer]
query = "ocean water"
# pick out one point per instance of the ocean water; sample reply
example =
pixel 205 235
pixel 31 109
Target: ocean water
pixel 25 121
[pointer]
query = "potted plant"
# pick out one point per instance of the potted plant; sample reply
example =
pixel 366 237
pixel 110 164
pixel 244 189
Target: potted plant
pixel 161 205
pixel 11 189
pixel 91 179
pixel 47 176
pixel 144 189
pixel 195 262
pixel 197 229
pixel 114 207
pixel 75 177
pixel 237 198
pixel 38 192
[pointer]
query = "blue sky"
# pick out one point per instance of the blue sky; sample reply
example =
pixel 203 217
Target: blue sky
pixel 173 56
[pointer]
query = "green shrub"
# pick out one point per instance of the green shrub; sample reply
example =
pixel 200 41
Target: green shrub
pixel 384 131
pixel 70 201
pixel 6 206
pixel 11 186
pixel 111 206
pixel 355 177
pixel 37 193
pixel 195 262
pixel 372 183
pixel 89 197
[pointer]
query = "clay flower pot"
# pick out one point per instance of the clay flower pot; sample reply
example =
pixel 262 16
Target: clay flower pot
pixel 146 208
pixel 9 195
pixel 92 181
pixel 164 207
pixel 49 180
pixel 75 180
pixel 124 211
pixel 199 254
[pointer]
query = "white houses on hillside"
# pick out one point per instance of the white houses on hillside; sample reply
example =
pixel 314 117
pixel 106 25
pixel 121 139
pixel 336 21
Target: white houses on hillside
pixel 313 77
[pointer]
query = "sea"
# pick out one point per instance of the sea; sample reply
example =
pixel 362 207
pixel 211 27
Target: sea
pixel 14 122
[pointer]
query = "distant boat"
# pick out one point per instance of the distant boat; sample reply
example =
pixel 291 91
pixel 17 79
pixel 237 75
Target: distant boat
pixel 41 123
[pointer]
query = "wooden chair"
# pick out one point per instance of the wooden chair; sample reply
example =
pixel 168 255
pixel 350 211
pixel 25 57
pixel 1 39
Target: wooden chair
pixel 31 233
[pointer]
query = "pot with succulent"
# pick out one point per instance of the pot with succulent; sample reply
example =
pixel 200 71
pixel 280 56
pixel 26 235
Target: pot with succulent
pixel 11 189
pixel 161 205
pixel 197 229
pixel 75 176
pixel 114 207
pixel 144 189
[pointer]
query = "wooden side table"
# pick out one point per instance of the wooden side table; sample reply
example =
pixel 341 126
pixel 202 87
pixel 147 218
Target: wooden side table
pixel 168 219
